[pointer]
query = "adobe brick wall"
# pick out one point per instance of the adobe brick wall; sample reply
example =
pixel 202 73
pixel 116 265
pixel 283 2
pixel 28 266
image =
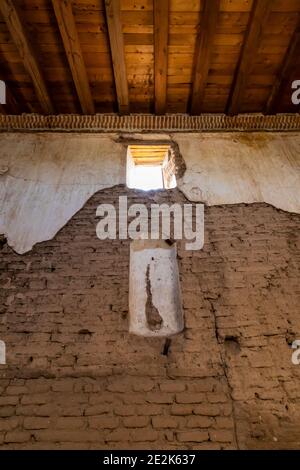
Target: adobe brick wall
pixel 75 378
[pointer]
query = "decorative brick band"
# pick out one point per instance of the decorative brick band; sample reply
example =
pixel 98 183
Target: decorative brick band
pixel 140 122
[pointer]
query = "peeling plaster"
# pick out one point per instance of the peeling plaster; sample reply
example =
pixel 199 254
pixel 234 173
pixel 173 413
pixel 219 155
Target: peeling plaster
pixel 45 178
pixel 242 168
pixel 50 177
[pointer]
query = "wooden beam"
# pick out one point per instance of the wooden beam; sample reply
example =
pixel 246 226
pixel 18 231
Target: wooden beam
pixel 285 76
pixel 258 17
pixel 204 49
pixel 114 24
pixel 66 23
pixel 161 34
pixel 18 33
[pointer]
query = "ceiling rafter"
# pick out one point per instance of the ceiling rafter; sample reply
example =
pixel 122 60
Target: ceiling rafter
pixel 204 49
pixel 114 24
pixel 258 17
pixel 161 33
pixel 285 75
pixel 27 54
pixel 66 23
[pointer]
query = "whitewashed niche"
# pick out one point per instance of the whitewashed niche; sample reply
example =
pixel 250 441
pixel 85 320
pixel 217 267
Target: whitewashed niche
pixel 2 353
pixel 155 306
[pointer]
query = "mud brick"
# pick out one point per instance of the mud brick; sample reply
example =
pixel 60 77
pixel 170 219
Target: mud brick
pixel 207 409
pixel 97 410
pixel 8 400
pixel 159 397
pixel 181 410
pixel 164 422
pixel 16 436
pixel 198 422
pixel 36 423
pixel 136 421
pixel 70 423
pixel 6 411
pixel 146 435
pixel 103 422
pixel 192 436
pixel 221 436
pixel 8 424
pixel 143 385
pixel 149 410
pixel 189 397
pixel 172 386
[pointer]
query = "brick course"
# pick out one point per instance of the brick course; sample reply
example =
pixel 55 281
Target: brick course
pixel 75 377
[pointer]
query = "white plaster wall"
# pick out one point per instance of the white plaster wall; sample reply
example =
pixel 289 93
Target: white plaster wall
pixel 49 178
pixel 46 178
pixel 231 168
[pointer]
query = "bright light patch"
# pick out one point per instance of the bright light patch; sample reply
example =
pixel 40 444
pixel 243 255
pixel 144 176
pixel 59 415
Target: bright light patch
pixel 146 177
pixel 150 167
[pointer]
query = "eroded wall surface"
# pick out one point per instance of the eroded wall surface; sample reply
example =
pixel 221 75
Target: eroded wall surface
pixel 74 375
pixel 45 178
pixel 76 378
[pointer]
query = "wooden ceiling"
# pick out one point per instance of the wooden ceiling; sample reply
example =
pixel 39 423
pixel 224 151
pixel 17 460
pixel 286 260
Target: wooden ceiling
pixel 148 154
pixel 149 56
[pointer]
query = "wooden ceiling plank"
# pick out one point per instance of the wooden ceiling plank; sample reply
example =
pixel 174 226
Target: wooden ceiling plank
pixel 161 27
pixel 285 75
pixel 19 36
pixel 204 50
pixel 149 163
pixel 258 17
pixel 147 147
pixel 67 26
pixel 151 150
pixel 113 18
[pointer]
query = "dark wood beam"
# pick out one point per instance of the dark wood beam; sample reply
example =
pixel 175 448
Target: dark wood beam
pixel 258 17
pixel 66 23
pixel 204 49
pixel 114 24
pixel 18 33
pixel 161 33
pixel 285 76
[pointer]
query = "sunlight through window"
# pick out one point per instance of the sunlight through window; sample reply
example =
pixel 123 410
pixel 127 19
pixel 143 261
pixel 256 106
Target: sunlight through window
pixel 147 177
pixel 148 167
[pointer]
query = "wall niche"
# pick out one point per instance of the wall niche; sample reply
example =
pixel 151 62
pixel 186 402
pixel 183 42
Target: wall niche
pixel 155 305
